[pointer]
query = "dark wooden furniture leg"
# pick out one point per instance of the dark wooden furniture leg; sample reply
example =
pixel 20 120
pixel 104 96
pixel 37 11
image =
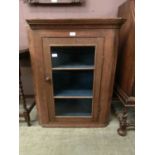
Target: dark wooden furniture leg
pixel 27 118
pixel 123 123
pixel 124 110
pixel 22 98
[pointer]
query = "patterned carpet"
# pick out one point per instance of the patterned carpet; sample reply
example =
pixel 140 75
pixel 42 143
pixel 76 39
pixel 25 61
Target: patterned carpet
pixel 36 140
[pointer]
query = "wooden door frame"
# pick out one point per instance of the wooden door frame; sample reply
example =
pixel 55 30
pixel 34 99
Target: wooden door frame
pixel 55 41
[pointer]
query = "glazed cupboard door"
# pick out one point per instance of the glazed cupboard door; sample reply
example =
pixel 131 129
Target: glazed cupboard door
pixel 72 70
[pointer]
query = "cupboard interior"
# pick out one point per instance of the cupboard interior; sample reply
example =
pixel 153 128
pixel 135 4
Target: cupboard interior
pixel 72 56
pixel 73 83
pixel 73 107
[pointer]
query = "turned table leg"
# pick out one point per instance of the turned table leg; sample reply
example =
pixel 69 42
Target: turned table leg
pixel 123 123
pixel 27 118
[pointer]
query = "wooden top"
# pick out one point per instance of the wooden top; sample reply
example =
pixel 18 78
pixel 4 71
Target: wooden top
pixel 75 23
pixel 64 2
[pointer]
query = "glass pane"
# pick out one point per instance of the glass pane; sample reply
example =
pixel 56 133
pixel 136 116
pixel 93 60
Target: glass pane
pixel 72 77
pixel 72 56
pixel 73 107
pixel 73 83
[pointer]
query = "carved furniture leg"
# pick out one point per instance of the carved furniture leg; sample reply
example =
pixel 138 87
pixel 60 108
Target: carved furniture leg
pixel 123 123
pixel 27 118
pixel 22 97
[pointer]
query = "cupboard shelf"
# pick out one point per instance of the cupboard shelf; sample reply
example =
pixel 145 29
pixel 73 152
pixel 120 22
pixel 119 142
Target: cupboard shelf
pixel 73 93
pixel 74 67
pixel 73 84
pixel 73 97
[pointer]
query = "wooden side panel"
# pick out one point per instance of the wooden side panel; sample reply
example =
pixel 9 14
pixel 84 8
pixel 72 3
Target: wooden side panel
pixel 35 44
pixel 108 74
pixel 126 58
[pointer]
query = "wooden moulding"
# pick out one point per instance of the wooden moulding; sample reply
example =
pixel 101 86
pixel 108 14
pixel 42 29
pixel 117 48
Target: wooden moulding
pixel 128 101
pixel 55 2
pixel 74 125
pixel 75 23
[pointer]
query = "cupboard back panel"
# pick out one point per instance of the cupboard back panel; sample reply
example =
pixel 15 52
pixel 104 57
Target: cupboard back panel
pixel 73 107
pixel 73 83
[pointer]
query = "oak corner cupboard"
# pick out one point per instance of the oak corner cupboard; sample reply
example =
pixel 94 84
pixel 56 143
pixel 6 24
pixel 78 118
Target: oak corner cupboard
pixel 73 63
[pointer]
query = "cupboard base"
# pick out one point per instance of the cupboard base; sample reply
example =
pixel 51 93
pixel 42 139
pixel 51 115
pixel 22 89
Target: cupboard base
pixel 76 125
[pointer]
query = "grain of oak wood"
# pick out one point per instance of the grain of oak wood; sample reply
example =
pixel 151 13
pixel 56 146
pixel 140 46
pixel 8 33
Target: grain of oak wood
pixel 100 33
